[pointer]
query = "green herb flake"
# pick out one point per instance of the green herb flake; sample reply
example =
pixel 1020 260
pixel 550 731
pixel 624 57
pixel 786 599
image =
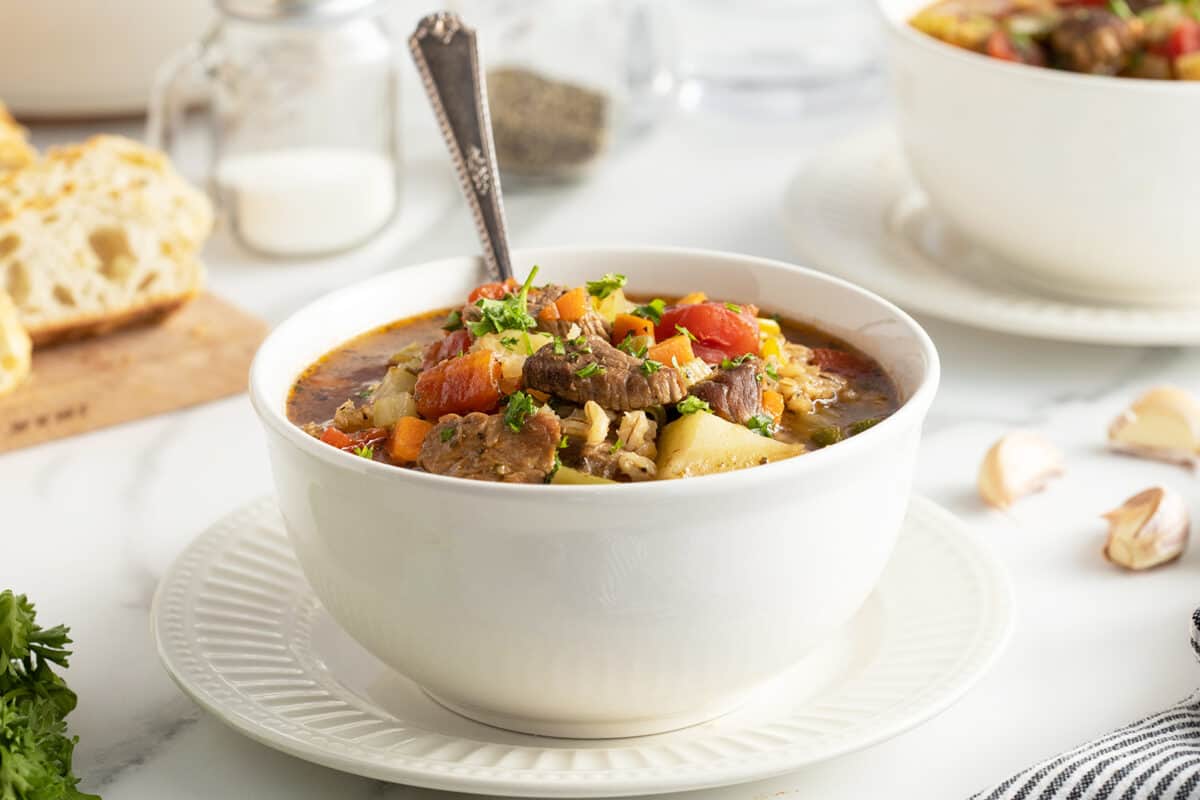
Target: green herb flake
pixel 590 369
pixel 692 404
pixel 528 343
pixel 684 331
pixel 447 433
pixel 605 286
pixel 617 445
pixel 772 371
pixel 509 342
pixel 364 393
pixel 652 311
pixel 734 307
pixel 650 366
pixel 1121 9
pixel 453 321
pixel 520 406
pixel 560 349
pixel 564 442
pixel 762 424
pixel 365 451
pixel 509 314
pixel 630 345
pixel 730 363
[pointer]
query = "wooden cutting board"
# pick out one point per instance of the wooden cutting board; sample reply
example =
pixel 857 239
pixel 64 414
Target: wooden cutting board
pixel 200 353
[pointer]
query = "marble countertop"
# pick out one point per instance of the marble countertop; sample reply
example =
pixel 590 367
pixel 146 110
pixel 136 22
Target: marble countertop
pixel 90 523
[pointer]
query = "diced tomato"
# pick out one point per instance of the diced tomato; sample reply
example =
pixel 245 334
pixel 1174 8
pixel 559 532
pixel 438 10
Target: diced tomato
pixel 719 331
pixel 494 291
pixel 332 436
pixel 459 385
pixel 840 362
pixel 452 344
pixel 1001 47
pixel 1184 39
pixel 349 441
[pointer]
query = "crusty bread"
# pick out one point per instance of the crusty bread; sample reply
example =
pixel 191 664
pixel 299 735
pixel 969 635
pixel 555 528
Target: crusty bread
pixel 15 347
pixel 99 235
pixel 15 150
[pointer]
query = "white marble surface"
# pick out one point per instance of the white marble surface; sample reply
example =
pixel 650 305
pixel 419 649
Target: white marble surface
pixel 90 523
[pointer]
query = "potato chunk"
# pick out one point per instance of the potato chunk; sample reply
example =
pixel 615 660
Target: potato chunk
pixel 702 444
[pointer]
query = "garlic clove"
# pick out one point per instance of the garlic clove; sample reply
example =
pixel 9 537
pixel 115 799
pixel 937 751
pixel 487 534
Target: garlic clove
pixel 1148 529
pixel 1019 464
pixel 1164 423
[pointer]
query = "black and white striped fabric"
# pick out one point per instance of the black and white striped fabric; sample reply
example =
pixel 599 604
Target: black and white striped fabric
pixel 1157 758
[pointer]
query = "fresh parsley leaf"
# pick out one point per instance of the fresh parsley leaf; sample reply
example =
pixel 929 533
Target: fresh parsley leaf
pixel 447 433
pixel 580 343
pixel 365 451
pixel 453 321
pixel 772 371
pixel 691 404
pixel 559 348
pixel 686 332
pixel 652 311
pixel 528 343
pixel 364 393
pixel 730 363
pixel 563 442
pixel 520 406
pixel 590 369
pixel 762 424
pixel 509 314
pixel 509 342
pixel 863 424
pixel 650 366
pixel 734 307
pixel 630 345
pixel 605 286
pixel 617 445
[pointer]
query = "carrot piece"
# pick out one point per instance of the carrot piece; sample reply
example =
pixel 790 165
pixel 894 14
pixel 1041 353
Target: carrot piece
pixel 626 325
pixel 675 351
pixel 772 403
pixel 692 299
pixel 332 436
pixel 549 313
pixel 572 305
pixel 404 445
pixel 459 385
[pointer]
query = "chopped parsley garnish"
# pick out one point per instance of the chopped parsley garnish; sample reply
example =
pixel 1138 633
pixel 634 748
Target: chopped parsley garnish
pixel 652 311
pixel 827 436
pixel 734 307
pixel 605 286
pixel 630 345
pixel 581 344
pixel 684 331
pixel 650 366
pixel 453 321
pixel 364 393
pixel 771 371
pixel 366 451
pixel 617 445
pixel 509 314
pixel 730 363
pixel 447 434
pixel 588 370
pixel 864 424
pixel 528 343
pixel 691 404
pixel 520 406
pixel 563 442
pixel 1121 9
pixel 762 424
pixel 509 342
pixel 559 348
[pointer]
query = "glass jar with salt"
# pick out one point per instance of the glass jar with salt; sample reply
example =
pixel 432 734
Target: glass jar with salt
pixel 303 115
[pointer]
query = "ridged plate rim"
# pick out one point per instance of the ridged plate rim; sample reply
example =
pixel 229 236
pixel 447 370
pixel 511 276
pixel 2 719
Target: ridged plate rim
pixel 939 638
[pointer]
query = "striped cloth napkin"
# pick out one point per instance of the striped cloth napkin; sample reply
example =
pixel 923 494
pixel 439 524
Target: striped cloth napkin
pixel 1152 759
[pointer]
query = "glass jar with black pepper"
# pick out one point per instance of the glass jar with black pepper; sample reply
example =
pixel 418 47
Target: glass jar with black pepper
pixel 568 81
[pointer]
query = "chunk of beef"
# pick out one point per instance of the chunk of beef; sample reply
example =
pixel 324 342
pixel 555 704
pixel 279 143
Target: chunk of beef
pixel 592 324
pixel 540 298
pixel 1095 40
pixel 734 394
pixel 592 369
pixel 482 447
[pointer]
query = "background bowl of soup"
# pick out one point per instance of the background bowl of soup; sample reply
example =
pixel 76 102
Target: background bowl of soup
pixel 598 610
pixel 1087 185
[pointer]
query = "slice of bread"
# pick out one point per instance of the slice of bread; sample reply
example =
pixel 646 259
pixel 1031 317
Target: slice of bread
pixel 15 150
pixel 15 347
pixel 97 236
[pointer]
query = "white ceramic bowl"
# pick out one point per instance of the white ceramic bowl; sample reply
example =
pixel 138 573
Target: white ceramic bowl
pixel 1089 185
pixel 592 611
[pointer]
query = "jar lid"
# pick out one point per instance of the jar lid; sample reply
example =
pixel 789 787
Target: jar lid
pixel 302 11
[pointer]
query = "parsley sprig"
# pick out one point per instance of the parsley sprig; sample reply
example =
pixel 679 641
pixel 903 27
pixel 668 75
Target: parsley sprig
pixel 652 311
pixel 606 285
pixel 520 407
pixel 509 314
pixel 590 369
pixel 762 424
pixel 692 404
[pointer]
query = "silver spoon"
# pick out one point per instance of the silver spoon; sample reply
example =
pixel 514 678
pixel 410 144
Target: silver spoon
pixel 447 56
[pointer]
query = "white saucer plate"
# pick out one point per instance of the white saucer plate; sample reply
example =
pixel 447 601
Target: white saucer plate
pixel 241 632
pixel 856 211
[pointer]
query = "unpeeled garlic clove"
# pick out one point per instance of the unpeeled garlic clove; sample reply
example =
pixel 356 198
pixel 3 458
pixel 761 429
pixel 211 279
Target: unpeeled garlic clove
pixel 1164 423
pixel 1019 464
pixel 1148 529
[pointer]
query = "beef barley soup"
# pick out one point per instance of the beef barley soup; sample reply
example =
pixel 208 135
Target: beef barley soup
pixel 588 384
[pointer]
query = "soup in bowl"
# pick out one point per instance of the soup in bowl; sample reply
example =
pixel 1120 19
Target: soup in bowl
pixel 543 548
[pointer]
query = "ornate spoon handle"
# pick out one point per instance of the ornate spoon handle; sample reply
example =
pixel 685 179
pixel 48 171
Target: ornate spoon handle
pixel 447 57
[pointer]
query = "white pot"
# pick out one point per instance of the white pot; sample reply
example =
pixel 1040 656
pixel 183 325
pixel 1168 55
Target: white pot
pixel 85 58
pixel 1089 185
pixel 597 610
